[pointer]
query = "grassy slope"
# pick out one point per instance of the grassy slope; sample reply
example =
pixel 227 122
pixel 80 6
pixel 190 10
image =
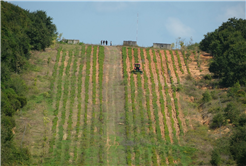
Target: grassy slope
pixel 41 108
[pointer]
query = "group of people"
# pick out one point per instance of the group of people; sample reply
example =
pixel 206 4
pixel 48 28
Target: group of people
pixel 105 42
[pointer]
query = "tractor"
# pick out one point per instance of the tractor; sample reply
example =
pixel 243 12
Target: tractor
pixel 137 68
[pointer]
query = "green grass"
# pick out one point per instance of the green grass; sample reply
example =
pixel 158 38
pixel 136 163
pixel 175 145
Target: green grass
pixel 134 108
pixel 125 74
pixel 147 143
pixel 80 75
pixel 85 132
pixel 101 115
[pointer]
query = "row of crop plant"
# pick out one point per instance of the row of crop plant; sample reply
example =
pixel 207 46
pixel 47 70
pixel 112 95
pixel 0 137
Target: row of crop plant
pixel 169 101
pixel 175 98
pixel 54 78
pixel 167 138
pixel 67 81
pixel 101 154
pixel 161 101
pixel 67 87
pixel 71 104
pixel 174 67
pixel 179 61
pixel 149 95
pixel 156 140
pixel 127 114
pixel 152 140
pixel 185 59
pixel 80 75
pixel 169 107
pixel 57 106
pixel 85 131
pixel 93 141
pixel 134 109
pixel 142 110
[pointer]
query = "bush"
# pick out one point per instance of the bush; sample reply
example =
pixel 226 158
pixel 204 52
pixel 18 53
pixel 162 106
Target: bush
pixel 238 145
pixel 218 120
pixel 242 120
pixel 215 157
pixel 206 97
pixel 232 113
pixel 227 45
pixel 214 94
pixel 233 91
pixel 179 88
pixel 208 77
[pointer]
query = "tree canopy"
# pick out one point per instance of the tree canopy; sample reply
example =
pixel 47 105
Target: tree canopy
pixel 21 31
pixel 227 44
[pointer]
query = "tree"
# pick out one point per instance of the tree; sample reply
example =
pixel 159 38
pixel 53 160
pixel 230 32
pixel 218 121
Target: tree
pixel 234 90
pixel 42 30
pixel 227 44
pixel 215 158
pixel 218 120
pixel 232 113
pixel 238 145
pixel 206 97
pixel 172 45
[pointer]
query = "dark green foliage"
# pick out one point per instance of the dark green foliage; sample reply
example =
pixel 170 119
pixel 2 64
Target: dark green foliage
pixel 208 77
pixel 5 71
pixel 234 91
pixel 228 47
pixel 193 46
pixel 8 121
pixel 214 94
pixel 21 31
pixel 10 154
pixel 10 101
pixel 206 97
pixel 232 113
pixel 218 120
pixel 238 145
pixel 41 31
pixel 215 157
pixel 242 120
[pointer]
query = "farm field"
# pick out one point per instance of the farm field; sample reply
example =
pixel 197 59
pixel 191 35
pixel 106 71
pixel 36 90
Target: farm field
pixel 102 114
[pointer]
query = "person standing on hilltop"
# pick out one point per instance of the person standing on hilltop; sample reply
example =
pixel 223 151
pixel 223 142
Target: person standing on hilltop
pixel 110 43
pixel 106 42
pixel 101 42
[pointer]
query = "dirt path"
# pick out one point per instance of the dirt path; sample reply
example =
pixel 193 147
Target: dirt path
pixel 113 104
pixel 193 66
pixel 194 70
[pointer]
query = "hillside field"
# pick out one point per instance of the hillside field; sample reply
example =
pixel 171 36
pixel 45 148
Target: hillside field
pixel 87 108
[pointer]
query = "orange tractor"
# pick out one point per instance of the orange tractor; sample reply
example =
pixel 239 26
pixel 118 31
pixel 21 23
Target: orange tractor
pixel 137 69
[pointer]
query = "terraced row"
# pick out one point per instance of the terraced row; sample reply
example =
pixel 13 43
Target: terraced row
pixel 77 83
pixel 150 101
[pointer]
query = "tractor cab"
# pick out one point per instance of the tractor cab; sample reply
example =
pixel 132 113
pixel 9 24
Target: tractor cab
pixel 137 67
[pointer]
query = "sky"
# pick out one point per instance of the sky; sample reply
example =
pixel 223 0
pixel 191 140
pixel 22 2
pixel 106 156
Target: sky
pixel 141 21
